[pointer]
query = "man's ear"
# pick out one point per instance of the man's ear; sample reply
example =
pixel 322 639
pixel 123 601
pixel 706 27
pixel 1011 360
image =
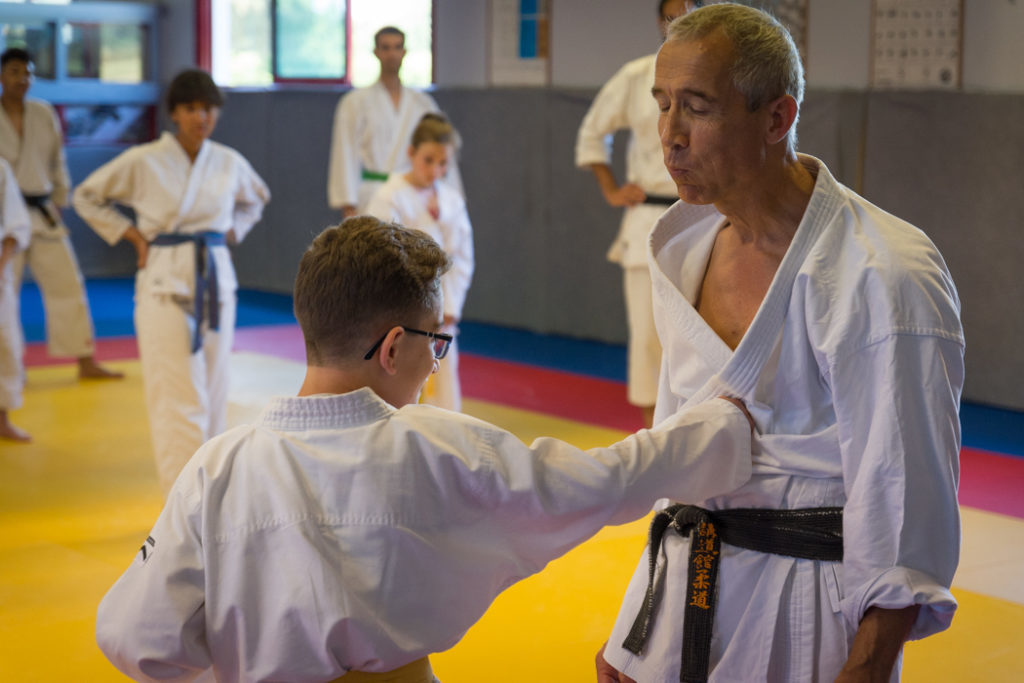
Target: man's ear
pixel 388 356
pixel 782 113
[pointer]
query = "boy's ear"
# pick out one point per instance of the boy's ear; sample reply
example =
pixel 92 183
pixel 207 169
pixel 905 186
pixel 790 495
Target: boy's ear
pixel 411 151
pixel 388 356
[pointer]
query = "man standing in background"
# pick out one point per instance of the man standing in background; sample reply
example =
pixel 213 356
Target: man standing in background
pixel 372 129
pixel 625 103
pixel 32 143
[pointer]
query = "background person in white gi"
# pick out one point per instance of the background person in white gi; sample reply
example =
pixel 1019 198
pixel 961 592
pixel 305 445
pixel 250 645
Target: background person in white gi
pixel 15 232
pixel 349 529
pixel 192 198
pixel 32 142
pixel 624 103
pixel 838 324
pixel 372 128
pixel 421 199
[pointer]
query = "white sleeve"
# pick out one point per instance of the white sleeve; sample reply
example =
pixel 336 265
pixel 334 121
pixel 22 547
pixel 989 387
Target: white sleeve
pixel 382 206
pixel 59 176
pixel 251 196
pixel 607 114
pixel 458 244
pixel 344 173
pixel 93 199
pixel 151 624
pixel 897 403
pixel 14 221
pixel 555 496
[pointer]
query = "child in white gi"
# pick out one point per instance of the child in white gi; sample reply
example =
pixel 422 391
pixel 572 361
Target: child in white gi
pixel 192 198
pixel 422 199
pixel 351 532
pixel 15 232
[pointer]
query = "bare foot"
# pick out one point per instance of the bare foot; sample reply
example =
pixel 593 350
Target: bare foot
pixel 10 432
pixel 88 368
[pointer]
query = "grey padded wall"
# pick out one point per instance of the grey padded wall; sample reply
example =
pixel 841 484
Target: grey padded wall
pixel 953 164
pixel 286 137
pixel 540 226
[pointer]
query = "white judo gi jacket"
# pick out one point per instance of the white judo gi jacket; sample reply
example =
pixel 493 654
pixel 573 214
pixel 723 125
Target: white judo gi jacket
pixel 38 160
pixel 338 533
pixel 852 369
pixel 371 134
pixel 186 392
pixel 625 103
pixel 14 224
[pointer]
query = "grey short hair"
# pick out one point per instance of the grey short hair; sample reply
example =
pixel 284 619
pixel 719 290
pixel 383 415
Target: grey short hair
pixel 767 62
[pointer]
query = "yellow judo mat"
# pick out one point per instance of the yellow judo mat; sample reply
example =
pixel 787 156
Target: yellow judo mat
pixel 77 502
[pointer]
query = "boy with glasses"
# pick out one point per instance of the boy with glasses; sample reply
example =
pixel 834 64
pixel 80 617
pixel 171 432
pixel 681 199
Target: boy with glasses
pixel 352 530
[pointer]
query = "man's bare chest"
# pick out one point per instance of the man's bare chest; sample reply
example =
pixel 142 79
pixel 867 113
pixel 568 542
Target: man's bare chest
pixel 734 285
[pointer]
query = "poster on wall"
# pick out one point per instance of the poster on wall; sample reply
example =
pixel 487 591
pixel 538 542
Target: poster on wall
pixel 916 44
pixel 520 41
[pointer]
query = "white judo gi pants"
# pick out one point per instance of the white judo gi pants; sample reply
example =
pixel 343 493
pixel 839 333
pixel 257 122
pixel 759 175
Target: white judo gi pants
pixel 51 258
pixel 12 375
pixel 644 347
pixel 442 388
pixel 186 393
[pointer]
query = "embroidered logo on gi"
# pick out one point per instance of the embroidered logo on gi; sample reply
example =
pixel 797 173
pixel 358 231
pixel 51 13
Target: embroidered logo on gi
pixel 146 551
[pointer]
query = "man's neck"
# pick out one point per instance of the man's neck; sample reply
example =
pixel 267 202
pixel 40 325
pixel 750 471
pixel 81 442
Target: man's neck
pixel 12 104
pixel 770 213
pixel 331 380
pixel 392 82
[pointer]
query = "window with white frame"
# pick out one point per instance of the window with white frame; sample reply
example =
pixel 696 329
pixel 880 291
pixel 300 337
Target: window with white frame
pixel 260 42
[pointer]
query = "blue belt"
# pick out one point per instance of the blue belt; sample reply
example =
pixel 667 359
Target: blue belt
pixel 206 276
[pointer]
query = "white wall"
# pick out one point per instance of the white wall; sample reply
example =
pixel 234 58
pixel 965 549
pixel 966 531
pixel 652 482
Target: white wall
pixel 592 38
pixel 993 45
pixel 838 44
pixel 460 58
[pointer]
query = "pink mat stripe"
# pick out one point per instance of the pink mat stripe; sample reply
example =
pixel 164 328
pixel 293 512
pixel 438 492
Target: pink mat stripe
pixel 992 481
pixel 108 348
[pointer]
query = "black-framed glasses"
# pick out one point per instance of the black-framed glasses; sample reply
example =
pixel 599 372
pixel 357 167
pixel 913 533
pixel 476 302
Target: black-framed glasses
pixel 440 344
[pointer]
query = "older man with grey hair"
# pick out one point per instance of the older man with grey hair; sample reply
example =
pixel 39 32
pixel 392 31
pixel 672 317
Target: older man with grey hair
pixel 838 324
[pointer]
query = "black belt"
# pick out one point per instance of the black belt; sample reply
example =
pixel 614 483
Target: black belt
pixel 661 200
pixel 810 533
pixel 39 202
pixel 206 276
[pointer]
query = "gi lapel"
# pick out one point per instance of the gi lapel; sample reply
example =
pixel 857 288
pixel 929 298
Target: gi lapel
pixel 196 174
pixel 10 142
pixel 740 373
pixel 402 127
